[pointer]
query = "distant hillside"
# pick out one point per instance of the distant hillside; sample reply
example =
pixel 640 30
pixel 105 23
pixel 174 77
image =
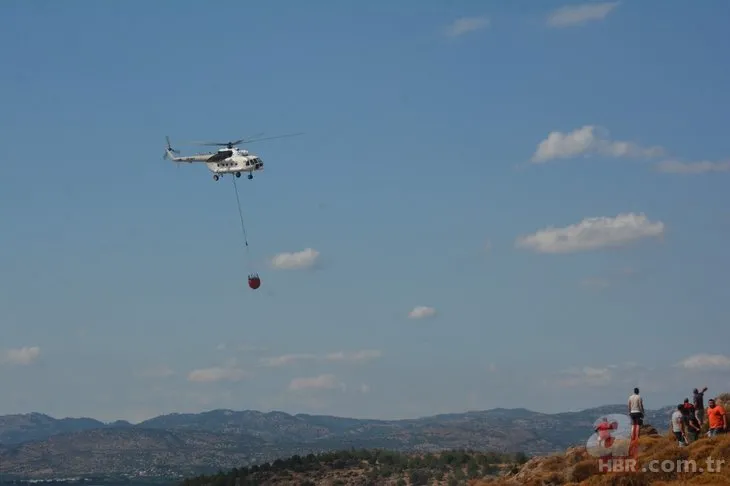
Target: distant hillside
pixel 108 451
pixel 38 446
pixel 15 429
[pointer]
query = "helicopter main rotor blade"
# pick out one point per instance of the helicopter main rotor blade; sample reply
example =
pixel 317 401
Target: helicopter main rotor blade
pixel 271 138
pixel 245 140
pixel 220 144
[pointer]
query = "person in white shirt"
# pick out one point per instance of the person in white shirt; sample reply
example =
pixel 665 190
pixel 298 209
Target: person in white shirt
pixel 636 408
pixel 678 426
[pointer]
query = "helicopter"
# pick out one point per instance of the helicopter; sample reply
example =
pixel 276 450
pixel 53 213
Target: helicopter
pixel 229 159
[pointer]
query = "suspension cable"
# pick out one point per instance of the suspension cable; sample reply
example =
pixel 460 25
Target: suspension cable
pixel 240 213
pixel 253 277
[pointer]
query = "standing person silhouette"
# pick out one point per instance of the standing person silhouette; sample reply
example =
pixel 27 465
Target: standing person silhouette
pixel 698 397
pixel 636 412
pixel 678 425
pixel 693 429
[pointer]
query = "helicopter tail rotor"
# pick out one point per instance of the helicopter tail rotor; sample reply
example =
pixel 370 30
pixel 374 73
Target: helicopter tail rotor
pixel 169 149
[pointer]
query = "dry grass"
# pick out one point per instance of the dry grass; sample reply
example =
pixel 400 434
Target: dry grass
pixel 576 467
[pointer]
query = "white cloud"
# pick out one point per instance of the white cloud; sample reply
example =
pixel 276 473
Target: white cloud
pixel 592 234
pixel 586 376
pixel 701 167
pixel 580 14
pixel 487 245
pixel 340 356
pixel 465 25
pixel 321 382
pixel 421 312
pixel 355 356
pixel 295 261
pixel 364 388
pixel 217 373
pixel 22 356
pixel 285 360
pixel 588 140
pixel 625 375
pixel 705 361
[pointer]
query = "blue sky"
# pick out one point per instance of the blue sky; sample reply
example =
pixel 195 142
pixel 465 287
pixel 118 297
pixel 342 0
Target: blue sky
pixel 421 175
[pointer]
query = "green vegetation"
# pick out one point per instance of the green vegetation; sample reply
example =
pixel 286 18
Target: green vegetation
pixel 368 467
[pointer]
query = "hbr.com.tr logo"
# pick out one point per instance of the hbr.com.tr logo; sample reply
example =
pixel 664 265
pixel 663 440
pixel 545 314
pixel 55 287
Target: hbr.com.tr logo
pixel 614 443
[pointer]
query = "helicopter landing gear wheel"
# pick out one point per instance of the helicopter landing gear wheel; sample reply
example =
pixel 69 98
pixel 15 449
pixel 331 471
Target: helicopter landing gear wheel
pixel 216 177
pixel 250 176
pixel 238 174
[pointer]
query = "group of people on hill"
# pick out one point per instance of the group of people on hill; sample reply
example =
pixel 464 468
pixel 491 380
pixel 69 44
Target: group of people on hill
pixel 689 417
pixel 686 422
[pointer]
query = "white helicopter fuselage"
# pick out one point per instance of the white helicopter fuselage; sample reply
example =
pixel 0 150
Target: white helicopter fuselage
pixel 225 161
pixel 236 163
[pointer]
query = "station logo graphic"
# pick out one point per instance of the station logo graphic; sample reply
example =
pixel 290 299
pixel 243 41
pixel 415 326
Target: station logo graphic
pixel 614 441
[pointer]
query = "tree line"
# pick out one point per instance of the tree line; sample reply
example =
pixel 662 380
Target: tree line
pixel 456 466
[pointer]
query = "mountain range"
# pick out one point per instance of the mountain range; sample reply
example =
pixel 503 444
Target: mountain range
pixel 36 446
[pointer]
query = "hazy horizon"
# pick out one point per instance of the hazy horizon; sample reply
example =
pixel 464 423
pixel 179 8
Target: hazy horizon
pixel 202 411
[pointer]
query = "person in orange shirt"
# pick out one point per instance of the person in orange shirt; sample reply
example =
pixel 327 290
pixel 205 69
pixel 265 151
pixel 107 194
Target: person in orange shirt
pixel 716 418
